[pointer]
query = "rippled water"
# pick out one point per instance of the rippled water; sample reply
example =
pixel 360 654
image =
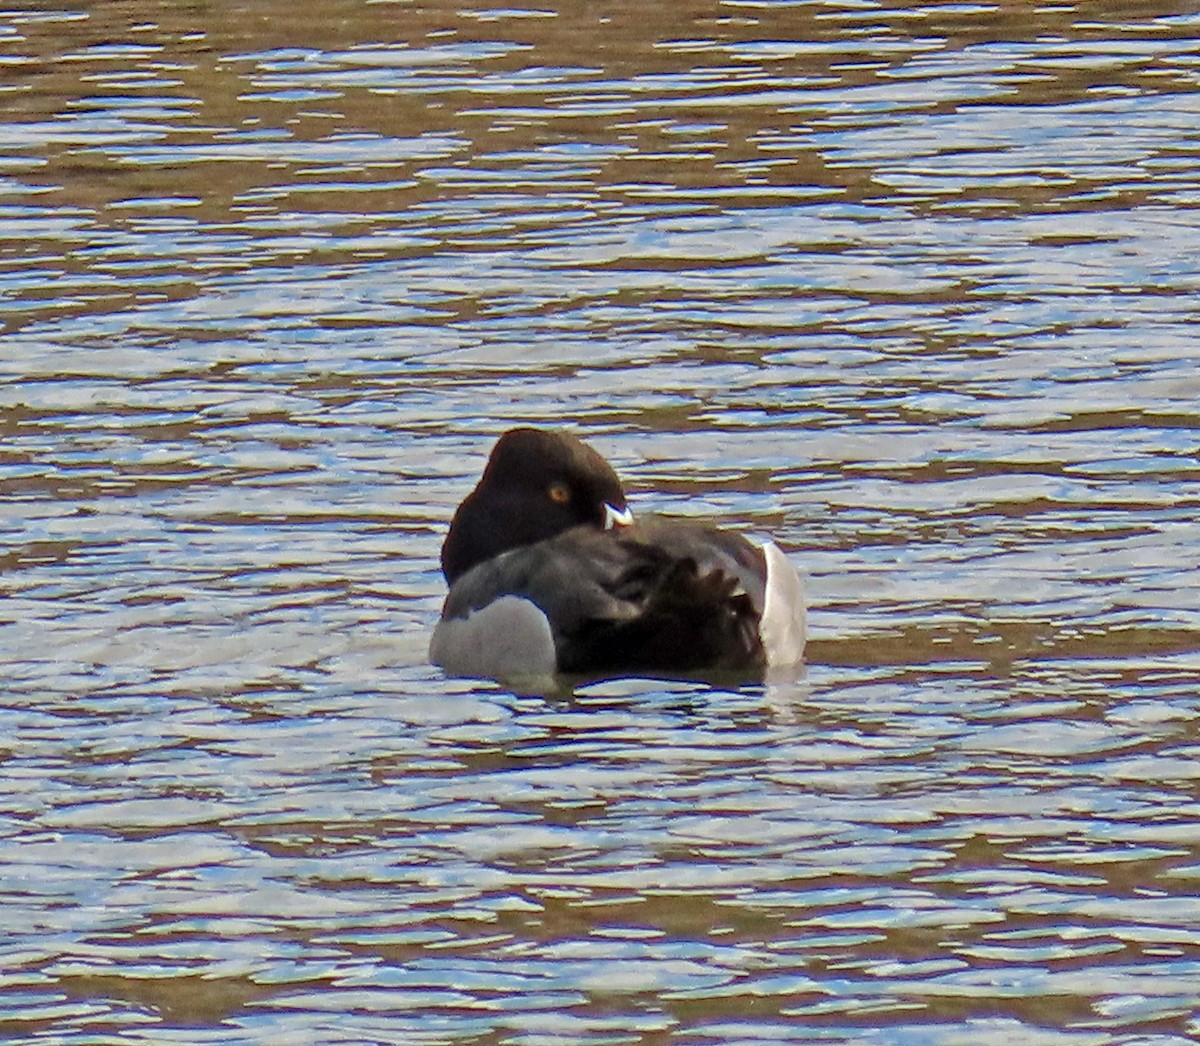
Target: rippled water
pixel 913 288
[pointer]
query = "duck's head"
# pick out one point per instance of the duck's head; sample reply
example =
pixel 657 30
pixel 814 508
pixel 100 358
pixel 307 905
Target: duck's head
pixel 537 484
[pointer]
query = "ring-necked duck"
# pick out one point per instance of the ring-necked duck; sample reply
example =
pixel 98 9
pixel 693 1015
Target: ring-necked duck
pixel 549 572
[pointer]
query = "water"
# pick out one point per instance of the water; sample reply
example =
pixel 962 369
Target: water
pixel 913 289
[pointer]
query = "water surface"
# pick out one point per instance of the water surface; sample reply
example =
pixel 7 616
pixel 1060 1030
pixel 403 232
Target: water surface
pixel 911 288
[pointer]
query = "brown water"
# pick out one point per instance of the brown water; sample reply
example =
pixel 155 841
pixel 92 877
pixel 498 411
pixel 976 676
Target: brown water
pixel 913 288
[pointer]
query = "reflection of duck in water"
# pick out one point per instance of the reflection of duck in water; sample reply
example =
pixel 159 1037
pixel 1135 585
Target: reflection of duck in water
pixel 549 572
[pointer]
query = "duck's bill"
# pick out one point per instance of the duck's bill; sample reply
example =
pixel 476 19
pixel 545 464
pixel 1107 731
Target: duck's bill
pixel 617 517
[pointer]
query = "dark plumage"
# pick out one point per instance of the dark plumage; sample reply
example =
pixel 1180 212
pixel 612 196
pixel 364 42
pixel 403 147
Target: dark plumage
pixel 536 485
pixel 549 573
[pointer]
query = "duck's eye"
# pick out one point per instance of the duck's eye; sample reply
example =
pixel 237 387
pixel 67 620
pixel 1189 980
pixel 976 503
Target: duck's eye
pixel 559 493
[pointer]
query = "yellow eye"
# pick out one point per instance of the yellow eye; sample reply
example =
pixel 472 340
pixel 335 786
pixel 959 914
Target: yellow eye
pixel 559 493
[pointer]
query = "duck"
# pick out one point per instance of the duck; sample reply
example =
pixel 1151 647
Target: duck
pixel 549 573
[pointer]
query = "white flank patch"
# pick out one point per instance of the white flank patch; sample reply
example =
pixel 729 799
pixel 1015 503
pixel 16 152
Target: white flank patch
pixel 508 639
pixel 783 626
